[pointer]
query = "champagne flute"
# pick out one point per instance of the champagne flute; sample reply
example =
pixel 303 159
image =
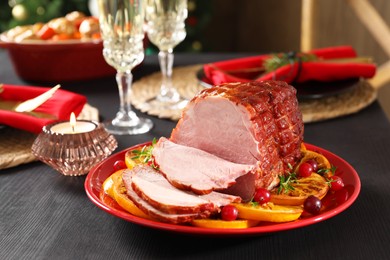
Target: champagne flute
pixel 121 23
pixel 165 28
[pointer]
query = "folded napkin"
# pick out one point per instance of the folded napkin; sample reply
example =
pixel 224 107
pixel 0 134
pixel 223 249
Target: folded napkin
pixel 57 108
pixel 327 64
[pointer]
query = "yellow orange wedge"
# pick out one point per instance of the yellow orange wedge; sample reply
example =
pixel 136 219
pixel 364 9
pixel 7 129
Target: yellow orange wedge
pixel 323 163
pixel 108 184
pixel 131 161
pixel 303 147
pixel 268 212
pixel 315 185
pixel 218 223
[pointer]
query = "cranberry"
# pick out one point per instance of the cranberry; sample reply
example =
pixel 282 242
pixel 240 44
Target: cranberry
pixel 336 183
pixel 312 205
pixel 305 169
pixel 262 196
pixel 314 164
pixel 119 165
pixel 229 213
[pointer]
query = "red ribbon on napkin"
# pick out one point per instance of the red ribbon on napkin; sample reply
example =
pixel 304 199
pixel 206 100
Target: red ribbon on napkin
pixel 59 106
pixel 321 69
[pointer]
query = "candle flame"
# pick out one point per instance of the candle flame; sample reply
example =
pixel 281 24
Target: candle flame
pixel 72 121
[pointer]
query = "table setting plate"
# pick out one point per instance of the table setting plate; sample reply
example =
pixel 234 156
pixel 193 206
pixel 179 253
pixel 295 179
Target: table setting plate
pixel 315 105
pixel 310 90
pixel 98 174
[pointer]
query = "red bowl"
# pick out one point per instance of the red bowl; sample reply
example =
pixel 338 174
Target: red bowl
pixel 46 61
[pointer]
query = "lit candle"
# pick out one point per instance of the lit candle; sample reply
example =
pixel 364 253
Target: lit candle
pixel 73 126
pixel 75 146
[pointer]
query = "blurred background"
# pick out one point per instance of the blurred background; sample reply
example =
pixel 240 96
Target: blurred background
pixel 252 26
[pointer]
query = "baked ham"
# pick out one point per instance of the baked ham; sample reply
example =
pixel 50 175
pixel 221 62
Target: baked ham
pixel 255 123
pixel 188 168
pixel 154 195
pixel 231 138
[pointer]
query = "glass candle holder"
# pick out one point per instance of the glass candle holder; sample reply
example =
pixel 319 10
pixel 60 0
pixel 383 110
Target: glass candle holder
pixel 73 153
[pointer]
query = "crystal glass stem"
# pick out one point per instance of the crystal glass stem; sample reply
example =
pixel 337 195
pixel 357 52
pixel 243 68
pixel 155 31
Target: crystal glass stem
pixel 167 92
pixel 126 121
pixel 125 114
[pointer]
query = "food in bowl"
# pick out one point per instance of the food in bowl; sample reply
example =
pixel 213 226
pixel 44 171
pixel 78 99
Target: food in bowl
pixel 64 49
pixel 73 26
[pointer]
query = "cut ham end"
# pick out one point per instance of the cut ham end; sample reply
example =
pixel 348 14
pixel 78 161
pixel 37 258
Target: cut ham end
pixel 192 169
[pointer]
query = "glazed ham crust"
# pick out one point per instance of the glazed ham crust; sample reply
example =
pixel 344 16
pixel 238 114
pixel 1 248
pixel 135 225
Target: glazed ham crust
pixel 256 123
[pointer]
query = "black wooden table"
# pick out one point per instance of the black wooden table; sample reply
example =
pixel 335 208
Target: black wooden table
pixel 44 215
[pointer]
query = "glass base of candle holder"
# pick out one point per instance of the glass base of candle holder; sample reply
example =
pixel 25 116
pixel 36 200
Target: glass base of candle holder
pixel 73 154
pixel 128 125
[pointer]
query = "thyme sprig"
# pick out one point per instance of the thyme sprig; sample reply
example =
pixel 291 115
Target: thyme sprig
pixel 278 60
pixel 286 180
pixel 145 154
pixel 326 173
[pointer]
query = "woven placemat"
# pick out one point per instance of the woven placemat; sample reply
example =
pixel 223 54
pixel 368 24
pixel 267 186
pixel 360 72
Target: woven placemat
pixel 187 83
pixel 339 105
pixel 184 80
pixel 15 145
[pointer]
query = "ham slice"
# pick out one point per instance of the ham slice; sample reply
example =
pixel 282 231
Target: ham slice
pixel 192 169
pixel 154 195
pixel 255 123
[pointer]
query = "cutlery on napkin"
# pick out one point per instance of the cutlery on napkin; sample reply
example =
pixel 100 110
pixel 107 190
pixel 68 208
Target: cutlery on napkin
pixel 31 104
pixel 57 107
pixel 326 64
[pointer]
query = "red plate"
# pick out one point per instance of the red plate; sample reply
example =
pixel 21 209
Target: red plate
pixel 341 200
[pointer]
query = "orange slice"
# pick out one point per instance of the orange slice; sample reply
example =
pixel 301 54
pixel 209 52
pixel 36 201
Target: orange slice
pixel 303 147
pixel 315 185
pixel 268 212
pixel 322 161
pixel 108 184
pixel 131 161
pixel 218 223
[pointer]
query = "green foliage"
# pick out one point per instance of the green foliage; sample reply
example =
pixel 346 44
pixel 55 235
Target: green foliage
pixel 281 59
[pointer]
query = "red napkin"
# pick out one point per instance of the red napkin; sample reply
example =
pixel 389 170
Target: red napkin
pixel 60 106
pixel 319 70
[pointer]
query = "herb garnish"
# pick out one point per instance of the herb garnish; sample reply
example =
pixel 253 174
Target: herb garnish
pixel 281 59
pixel 286 180
pixel 327 172
pixel 145 154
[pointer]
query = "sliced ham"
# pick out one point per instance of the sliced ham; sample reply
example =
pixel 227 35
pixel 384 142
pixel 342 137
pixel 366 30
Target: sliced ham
pixel 192 169
pixel 153 212
pixel 255 123
pixel 154 195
